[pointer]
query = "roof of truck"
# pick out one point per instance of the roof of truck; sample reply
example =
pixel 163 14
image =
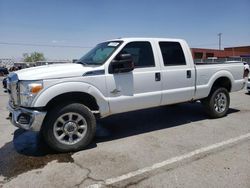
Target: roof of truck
pixel 146 39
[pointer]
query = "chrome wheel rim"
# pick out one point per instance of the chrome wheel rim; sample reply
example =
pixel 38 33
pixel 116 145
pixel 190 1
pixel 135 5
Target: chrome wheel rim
pixel 70 128
pixel 220 102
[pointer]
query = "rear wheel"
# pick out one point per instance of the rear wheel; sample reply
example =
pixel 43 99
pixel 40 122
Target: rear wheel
pixel 69 127
pixel 217 103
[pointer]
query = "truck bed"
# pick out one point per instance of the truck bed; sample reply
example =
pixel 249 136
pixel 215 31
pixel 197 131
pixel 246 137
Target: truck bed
pixel 207 73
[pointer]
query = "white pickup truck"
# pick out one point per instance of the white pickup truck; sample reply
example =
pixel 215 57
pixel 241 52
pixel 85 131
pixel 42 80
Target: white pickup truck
pixel 64 100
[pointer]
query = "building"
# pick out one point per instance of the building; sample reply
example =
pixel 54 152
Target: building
pixel 242 51
pixel 202 53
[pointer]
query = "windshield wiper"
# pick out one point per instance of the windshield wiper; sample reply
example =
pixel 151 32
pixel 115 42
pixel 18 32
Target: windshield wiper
pixel 81 62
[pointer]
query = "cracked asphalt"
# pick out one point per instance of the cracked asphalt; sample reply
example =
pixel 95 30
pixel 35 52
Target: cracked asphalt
pixel 129 142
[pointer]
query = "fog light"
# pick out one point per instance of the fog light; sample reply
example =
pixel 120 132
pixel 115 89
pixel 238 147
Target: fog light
pixel 23 119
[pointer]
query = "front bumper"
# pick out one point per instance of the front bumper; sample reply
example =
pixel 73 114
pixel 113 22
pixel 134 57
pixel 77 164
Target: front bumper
pixel 26 119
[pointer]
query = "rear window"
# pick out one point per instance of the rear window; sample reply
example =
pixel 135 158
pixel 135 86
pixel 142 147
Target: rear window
pixel 172 53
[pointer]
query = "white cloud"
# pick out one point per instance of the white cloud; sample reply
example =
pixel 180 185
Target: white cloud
pixel 57 41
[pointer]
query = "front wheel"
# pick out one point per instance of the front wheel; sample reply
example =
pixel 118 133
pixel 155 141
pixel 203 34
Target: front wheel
pixel 69 127
pixel 217 103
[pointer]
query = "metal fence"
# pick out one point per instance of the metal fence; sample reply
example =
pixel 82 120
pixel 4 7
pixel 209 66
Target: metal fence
pixel 221 60
pixel 10 63
pixel 6 63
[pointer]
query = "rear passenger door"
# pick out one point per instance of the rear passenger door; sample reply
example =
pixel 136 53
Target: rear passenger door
pixel 178 75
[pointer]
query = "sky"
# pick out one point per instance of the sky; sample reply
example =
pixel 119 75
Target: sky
pixel 67 29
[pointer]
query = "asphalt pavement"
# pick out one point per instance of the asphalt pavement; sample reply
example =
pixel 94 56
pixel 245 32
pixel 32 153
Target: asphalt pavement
pixel 176 146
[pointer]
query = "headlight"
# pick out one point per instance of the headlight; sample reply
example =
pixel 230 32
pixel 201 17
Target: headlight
pixel 28 91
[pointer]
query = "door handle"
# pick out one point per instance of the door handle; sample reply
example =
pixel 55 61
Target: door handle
pixel 189 74
pixel 115 91
pixel 157 76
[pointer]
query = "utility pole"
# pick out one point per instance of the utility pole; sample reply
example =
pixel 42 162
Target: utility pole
pixel 219 40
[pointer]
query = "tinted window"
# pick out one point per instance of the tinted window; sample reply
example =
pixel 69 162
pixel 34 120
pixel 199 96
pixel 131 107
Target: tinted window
pixel 172 53
pixel 141 52
pixel 99 54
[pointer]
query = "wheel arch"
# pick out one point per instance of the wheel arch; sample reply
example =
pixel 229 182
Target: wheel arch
pixel 73 91
pixel 222 81
pixel 79 97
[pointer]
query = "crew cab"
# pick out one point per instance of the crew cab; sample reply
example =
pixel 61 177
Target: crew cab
pixel 117 76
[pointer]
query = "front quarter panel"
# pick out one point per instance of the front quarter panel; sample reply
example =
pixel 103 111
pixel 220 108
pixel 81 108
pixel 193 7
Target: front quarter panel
pixel 59 88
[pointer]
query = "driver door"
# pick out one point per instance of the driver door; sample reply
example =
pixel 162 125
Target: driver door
pixel 137 89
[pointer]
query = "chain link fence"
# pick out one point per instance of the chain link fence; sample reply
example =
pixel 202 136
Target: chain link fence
pixel 221 60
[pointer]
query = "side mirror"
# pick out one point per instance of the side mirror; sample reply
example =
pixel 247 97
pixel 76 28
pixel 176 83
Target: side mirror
pixel 121 63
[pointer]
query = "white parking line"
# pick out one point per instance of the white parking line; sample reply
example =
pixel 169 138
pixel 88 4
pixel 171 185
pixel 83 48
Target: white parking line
pixel 195 153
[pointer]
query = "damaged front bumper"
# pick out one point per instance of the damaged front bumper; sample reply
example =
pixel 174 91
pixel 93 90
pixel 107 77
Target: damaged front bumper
pixel 28 119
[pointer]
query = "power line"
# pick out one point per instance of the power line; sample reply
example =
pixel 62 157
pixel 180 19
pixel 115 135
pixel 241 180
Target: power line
pixel 210 44
pixel 41 45
pixel 88 47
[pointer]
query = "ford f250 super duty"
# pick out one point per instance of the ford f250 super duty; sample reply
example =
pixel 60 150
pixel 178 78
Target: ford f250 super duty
pixel 64 100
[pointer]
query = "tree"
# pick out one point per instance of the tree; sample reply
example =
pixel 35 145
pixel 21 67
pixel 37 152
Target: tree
pixel 33 57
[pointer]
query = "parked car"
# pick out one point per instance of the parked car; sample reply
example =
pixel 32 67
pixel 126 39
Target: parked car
pixel 248 85
pixel 5 83
pixel 246 69
pixel 117 76
pixel 3 71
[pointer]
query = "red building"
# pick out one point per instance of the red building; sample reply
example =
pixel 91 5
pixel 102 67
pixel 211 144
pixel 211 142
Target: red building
pixel 202 53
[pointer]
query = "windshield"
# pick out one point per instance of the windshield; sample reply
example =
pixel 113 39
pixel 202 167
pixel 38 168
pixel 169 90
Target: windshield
pixel 99 54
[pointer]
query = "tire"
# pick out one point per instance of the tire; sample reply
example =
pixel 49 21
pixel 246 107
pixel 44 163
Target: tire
pixel 69 127
pixel 217 103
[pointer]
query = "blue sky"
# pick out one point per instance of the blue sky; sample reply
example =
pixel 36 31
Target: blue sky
pixel 84 23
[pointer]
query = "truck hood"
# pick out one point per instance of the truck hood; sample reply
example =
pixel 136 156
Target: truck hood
pixel 53 71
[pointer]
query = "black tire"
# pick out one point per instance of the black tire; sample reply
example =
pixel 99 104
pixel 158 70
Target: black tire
pixel 52 122
pixel 219 109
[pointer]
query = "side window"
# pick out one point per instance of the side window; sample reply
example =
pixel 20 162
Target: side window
pixel 172 53
pixel 141 52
